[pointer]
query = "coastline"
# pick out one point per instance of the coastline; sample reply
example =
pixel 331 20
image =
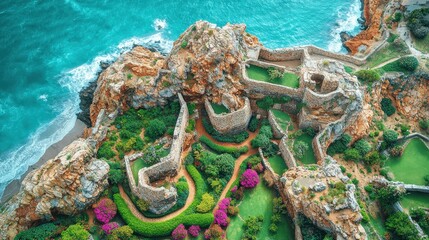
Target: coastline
pixel 13 187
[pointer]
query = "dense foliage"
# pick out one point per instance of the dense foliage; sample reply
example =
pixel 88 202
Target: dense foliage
pixel 206 204
pixel 387 107
pixel 340 145
pixel 252 226
pixel 401 226
pixel 368 75
pixel 253 124
pixel 390 136
pixel 267 102
pixel 235 151
pixel 121 233
pixel 74 232
pixel 418 22
pixel 155 129
pixel 44 231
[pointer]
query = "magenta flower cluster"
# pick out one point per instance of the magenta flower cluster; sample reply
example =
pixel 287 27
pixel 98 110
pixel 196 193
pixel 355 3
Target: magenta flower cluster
pixel 249 179
pixel 105 210
pixel 234 189
pixel 194 230
pixel 221 218
pixel 179 233
pixel 109 227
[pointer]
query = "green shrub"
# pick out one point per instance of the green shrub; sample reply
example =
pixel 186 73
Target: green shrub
pixel 362 146
pixel 155 129
pixel 372 158
pixel 235 151
pixel 409 63
pixel 369 75
pixel 352 154
pixel 75 232
pixel 387 107
pixel 300 148
pixel 121 233
pixel 274 73
pixel 253 124
pixel 191 107
pixel 265 103
pixel 184 44
pixel 424 124
pixel 400 224
pixel 44 231
pixel 340 145
pixel 417 22
pixel 390 136
pixel 206 204
pixel 105 151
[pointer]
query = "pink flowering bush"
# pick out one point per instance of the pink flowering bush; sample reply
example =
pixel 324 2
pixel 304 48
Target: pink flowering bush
pixel 179 233
pixel 223 205
pixel 105 210
pixel 221 218
pixel 109 227
pixel 194 230
pixel 234 189
pixel 249 179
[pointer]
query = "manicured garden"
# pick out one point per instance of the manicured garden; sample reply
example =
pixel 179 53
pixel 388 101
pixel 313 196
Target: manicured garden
pixel 219 108
pixel 278 164
pixel 262 74
pixel 415 200
pixel 411 167
pixel 259 202
pixel 283 119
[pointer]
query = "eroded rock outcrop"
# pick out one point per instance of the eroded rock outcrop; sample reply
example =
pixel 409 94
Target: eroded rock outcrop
pixel 409 95
pixel 324 195
pixel 66 184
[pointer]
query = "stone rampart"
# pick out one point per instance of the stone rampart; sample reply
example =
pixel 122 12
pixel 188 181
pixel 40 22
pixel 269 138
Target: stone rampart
pixel 286 153
pixel 416 188
pixel 268 168
pixel 161 199
pixel 344 58
pixel 283 54
pixel 278 132
pixel 230 122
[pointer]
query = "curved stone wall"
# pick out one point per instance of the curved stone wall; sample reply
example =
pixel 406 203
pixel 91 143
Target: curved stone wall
pixel 230 122
pixel 278 132
pixel 161 199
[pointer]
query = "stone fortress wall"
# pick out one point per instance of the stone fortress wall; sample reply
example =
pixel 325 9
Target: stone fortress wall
pixel 161 199
pixel 230 122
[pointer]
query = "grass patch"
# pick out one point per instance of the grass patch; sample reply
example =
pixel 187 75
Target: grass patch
pixel 411 167
pixel 219 108
pixel 308 157
pixel 283 119
pixel 136 166
pixel 415 200
pixel 278 164
pixel 261 74
pixel 388 52
pixel 259 201
pixel 422 44
pixel 348 69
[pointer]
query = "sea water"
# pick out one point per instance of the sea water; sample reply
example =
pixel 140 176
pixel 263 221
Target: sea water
pixel 50 49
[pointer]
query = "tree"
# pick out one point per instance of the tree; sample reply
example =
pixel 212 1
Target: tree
pixel 409 63
pixel 400 224
pixel 300 148
pixel 388 195
pixel 352 154
pixel 266 103
pixel 372 158
pixel 225 163
pixel 274 73
pixel 260 141
pixel 362 146
pixel 116 176
pixel 179 233
pixel 267 131
pixel 340 145
pixel 249 179
pixel 155 129
pixel 206 204
pixel 150 156
pixel 74 232
pixel 387 107
pixel 121 233
pixel 424 124
pixel 221 218
pixel 390 136
pixel 369 75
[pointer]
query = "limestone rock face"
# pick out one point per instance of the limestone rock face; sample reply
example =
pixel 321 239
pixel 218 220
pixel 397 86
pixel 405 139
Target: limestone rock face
pixel 361 127
pixel 66 185
pixel 206 59
pixel 409 95
pixel 310 191
pixel 130 81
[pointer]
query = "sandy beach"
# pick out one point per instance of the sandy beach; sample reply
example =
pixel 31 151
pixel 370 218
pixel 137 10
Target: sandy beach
pixel 14 186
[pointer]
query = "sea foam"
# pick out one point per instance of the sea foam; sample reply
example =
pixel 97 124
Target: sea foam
pixel 14 163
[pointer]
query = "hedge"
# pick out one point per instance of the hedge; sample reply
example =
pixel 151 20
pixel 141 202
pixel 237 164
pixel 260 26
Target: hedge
pixel 161 229
pixel 235 151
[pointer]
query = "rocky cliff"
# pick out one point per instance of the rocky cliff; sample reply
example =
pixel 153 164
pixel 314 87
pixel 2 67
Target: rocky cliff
pixel 373 14
pixel 66 184
pixel 204 61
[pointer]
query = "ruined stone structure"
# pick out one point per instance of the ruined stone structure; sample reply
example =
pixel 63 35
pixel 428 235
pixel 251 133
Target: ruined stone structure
pixel 161 199
pixel 235 121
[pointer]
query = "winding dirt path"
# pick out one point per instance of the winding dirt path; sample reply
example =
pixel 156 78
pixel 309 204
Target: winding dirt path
pixel 172 215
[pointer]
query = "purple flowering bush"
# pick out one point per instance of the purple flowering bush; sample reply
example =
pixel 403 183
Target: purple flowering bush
pixel 105 210
pixel 223 205
pixel 179 233
pixel 194 230
pixel 109 227
pixel 249 179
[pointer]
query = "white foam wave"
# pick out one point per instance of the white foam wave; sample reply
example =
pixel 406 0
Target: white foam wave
pixel 16 162
pixel 43 97
pixel 159 24
pixel 347 22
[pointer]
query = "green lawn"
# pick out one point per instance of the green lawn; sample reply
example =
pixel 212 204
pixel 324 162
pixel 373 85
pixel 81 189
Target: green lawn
pixel 378 224
pixel 412 166
pixel 278 164
pixel 422 44
pixel 283 119
pixel 219 108
pixel 309 157
pixel 394 67
pixel 414 200
pixel 261 74
pixel 388 52
pixel 259 202
pixel 136 166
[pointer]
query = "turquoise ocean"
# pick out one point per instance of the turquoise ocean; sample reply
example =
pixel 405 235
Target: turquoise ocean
pixel 50 49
